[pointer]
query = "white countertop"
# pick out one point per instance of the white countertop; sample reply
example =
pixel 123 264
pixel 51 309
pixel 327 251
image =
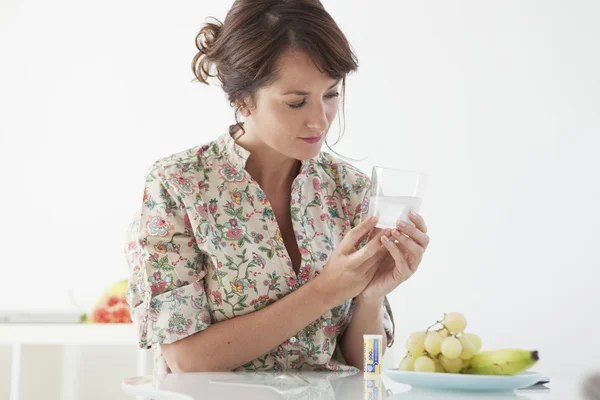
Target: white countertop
pixel 78 334
pixel 318 385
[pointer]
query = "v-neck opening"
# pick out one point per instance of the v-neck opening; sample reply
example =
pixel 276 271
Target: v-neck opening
pixel 240 156
pixel 286 268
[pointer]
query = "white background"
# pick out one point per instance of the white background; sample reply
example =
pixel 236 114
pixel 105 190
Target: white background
pixel 498 101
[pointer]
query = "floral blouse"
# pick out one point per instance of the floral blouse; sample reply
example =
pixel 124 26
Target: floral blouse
pixel 206 247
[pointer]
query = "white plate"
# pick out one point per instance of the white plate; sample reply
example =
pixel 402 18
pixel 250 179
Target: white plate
pixel 463 382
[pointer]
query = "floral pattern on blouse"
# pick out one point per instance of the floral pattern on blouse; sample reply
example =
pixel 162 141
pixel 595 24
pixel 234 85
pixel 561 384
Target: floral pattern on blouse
pixel 206 247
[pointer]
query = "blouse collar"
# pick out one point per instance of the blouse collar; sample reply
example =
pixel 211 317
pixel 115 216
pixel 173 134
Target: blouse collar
pixel 239 155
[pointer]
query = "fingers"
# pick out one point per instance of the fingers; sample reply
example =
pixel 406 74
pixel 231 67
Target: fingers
pixel 373 250
pixel 418 220
pixel 410 245
pixel 357 234
pixel 402 271
pixel 415 232
pixel 372 234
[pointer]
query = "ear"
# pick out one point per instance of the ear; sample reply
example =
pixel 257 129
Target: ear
pixel 245 105
pixel 243 108
pixel 245 111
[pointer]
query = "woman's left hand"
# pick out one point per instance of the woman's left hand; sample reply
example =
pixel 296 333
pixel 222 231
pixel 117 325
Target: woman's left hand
pixel 402 260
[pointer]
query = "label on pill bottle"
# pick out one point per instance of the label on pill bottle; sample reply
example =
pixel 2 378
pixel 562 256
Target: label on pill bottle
pixel 372 354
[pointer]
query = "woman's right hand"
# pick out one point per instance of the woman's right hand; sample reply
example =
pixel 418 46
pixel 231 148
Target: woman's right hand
pixel 349 271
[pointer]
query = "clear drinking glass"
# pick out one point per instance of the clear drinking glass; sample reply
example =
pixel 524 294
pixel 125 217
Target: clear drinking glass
pixel 395 192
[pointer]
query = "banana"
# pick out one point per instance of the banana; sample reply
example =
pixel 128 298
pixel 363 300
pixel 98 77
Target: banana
pixel 501 362
pixel 118 289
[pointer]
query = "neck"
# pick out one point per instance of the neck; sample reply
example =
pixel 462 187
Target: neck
pixel 270 169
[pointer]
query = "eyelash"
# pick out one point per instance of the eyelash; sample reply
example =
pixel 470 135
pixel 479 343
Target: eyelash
pixel 300 105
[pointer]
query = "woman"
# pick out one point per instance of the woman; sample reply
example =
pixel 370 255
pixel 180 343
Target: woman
pixel 249 252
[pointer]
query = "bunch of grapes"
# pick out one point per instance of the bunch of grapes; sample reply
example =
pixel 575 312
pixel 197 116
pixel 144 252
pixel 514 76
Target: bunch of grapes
pixel 445 349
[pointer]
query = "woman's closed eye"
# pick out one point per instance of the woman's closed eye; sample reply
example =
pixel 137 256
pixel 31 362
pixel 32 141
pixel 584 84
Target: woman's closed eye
pixel 303 102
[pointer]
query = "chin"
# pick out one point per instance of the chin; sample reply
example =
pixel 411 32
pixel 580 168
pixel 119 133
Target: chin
pixel 308 154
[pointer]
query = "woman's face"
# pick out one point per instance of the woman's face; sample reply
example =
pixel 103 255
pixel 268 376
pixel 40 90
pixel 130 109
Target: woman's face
pixel 292 115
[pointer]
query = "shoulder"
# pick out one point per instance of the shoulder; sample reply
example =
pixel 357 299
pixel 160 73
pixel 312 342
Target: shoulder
pixel 344 173
pixel 350 185
pixel 188 161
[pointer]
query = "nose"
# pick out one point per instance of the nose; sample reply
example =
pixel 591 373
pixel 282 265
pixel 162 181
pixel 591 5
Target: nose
pixel 318 120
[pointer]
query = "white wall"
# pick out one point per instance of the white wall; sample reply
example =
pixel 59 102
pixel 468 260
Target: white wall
pixel 498 101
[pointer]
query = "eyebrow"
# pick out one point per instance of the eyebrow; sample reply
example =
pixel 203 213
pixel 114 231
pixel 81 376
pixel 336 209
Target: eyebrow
pixel 303 93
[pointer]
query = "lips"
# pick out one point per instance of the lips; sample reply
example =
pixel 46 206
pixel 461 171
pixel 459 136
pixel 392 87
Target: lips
pixel 313 139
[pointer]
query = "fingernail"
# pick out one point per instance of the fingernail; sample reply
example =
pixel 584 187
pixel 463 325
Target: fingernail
pixel 402 224
pixel 414 214
pixel 385 239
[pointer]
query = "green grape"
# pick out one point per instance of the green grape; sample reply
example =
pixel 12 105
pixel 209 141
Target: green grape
pixel 407 364
pixel 443 333
pixel 452 365
pixel 438 366
pixel 476 340
pixel 424 364
pixel 451 347
pixel 467 363
pixel 416 343
pixel 433 343
pixel 455 322
pixel 468 349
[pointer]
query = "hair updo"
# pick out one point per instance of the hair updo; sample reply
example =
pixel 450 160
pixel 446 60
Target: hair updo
pixel 242 52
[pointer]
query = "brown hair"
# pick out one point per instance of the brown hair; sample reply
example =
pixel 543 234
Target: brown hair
pixel 243 51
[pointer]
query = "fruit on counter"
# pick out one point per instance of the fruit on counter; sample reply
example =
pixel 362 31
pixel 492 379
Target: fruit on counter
pixel 502 362
pixel 475 340
pixel 433 343
pixel 446 347
pixel 424 364
pixel 438 365
pixel 111 307
pixel 453 365
pixel 407 364
pixel 119 288
pixel 467 348
pixel 416 343
pixel 455 322
pixel 451 347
